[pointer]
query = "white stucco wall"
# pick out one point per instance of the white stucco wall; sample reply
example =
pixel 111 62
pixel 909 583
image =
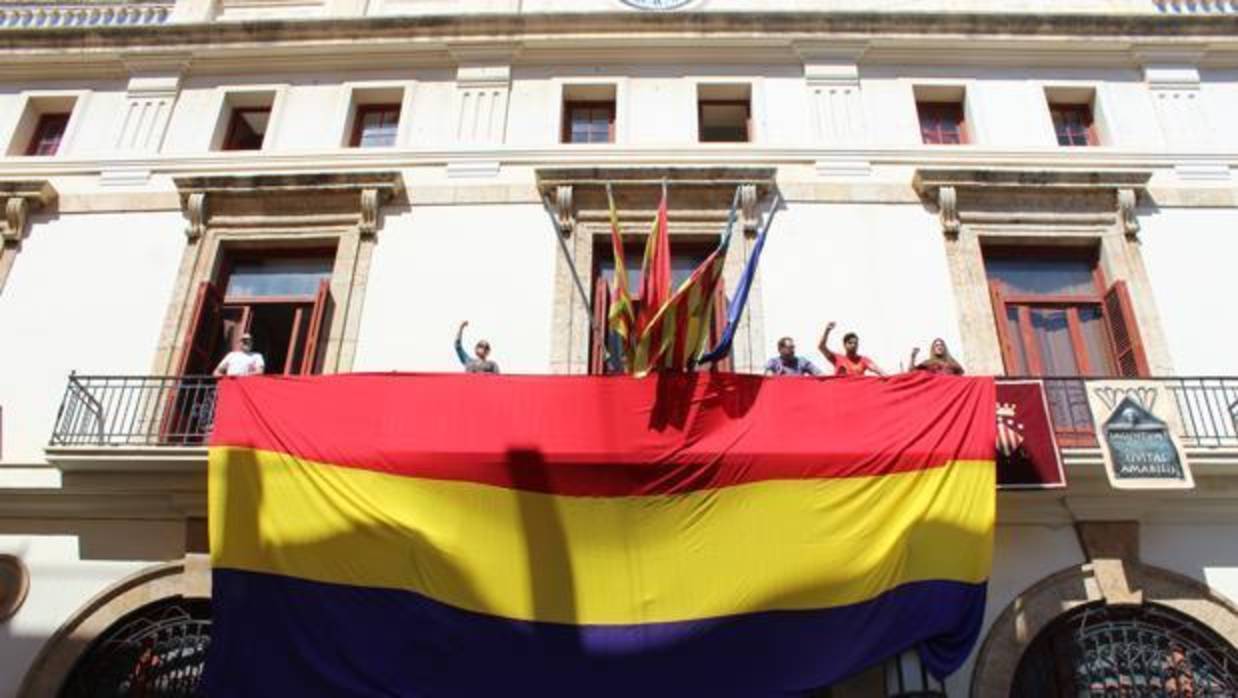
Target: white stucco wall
pixel 438 265
pixel 87 292
pixel 1205 553
pixel 878 270
pixel 1190 256
pixel 60 583
pixel 1022 556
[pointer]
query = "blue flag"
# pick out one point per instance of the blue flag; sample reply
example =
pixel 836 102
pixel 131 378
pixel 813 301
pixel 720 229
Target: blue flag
pixel 736 308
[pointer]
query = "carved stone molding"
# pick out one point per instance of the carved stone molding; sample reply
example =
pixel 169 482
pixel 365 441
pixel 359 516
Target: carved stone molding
pixel 565 214
pixel 1127 198
pixel 370 199
pixel 195 209
pixel 311 203
pixel 20 199
pixel 749 211
pixel 948 206
pixel 1033 198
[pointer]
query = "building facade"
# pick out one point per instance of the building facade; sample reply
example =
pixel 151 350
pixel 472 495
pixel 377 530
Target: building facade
pixel 1047 186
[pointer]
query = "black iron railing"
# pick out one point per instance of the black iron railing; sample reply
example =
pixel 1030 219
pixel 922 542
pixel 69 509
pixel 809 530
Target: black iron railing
pixel 135 411
pixel 180 410
pixel 1206 407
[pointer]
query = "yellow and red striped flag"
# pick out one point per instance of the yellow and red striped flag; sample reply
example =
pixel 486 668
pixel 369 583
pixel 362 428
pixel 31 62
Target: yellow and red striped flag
pixel 622 315
pixel 676 334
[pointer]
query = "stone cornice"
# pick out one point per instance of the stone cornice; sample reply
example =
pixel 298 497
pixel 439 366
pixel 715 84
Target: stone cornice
pixel 440 36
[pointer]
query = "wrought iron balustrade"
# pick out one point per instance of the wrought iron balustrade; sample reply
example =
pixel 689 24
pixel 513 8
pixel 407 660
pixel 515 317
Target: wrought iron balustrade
pixel 180 410
pixel 1207 409
pixel 135 411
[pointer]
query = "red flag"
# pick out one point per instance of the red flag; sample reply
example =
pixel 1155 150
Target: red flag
pixel 655 284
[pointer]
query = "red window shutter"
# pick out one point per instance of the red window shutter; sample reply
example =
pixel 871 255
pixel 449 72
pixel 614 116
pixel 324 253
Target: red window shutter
pixel 716 327
pixel 202 334
pixel 316 338
pixel 598 328
pixel 1128 351
pixel 999 319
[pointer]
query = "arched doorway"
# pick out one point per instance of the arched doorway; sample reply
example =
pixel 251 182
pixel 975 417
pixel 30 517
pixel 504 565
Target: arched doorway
pixel 1147 650
pixel 155 651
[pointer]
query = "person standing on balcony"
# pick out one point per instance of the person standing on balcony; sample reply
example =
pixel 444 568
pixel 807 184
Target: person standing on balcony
pixel 479 362
pixel 850 362
pixel 242 361
pixel 788 364
pixel 939 360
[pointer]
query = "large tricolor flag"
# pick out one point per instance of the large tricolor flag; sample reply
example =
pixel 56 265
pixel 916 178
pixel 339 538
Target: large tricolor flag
pixel 688 534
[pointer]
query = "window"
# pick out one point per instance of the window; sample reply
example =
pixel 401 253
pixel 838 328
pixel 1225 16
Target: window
pixel 247 128
pixel 685 258
pixel 589 122
pixel 44 127
pixel 942 123
pixel 1056 317
pixel 724 113
pixel 1150 649
pixel 1073 124
pixel 375 125
pixel 588 114
pixel 282 298
pixel 48 133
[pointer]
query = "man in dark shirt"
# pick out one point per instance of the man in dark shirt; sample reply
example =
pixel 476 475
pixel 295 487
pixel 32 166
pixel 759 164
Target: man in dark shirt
pixel 788 364
pixel 479 363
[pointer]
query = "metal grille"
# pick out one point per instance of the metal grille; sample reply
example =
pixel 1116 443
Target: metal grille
pixel 157 651
pixel 135 411
pixel 1103 652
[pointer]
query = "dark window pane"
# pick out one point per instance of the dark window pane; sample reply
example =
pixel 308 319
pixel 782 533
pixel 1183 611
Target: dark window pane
pixel 1072 124
pixel 278 277
pixel 1016 341
pixel 589 122
pixel 247 129
pixel 1052 332
pixel 941 123
pixel 377 126
pixel 48 134
pixel 724 122
pixel 1033 276
pixel 1095 340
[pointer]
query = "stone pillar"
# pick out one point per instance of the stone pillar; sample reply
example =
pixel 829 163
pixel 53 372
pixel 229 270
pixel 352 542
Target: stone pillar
pixel 1172 76
pixel 483 83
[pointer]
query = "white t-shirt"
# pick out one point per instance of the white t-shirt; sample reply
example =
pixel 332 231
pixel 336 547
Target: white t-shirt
pixel 241 363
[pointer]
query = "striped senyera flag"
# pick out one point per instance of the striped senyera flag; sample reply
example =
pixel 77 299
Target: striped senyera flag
pixel 675 336
pixel 622 315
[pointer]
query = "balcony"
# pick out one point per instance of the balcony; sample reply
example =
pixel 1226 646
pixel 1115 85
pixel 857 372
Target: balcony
pixel 164 421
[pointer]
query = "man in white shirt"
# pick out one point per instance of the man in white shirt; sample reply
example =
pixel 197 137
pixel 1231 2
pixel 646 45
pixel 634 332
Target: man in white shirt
pixel 242 362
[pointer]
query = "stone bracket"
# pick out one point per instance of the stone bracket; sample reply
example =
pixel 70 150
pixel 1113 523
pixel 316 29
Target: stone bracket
pixel 565 213
pixel 1127 198
pixel 20 199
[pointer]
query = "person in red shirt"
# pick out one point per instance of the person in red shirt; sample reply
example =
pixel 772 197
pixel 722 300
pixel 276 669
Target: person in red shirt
pixel 851 362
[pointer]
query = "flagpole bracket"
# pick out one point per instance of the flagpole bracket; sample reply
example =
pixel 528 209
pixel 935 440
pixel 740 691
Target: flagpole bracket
pixel 751 215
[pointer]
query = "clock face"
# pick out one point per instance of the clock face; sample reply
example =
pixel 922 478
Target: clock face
pixel 656 4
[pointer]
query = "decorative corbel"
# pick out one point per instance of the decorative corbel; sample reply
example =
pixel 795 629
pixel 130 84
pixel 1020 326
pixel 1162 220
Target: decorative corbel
pixel 1126 212
pixel 948 206
pixel 748 209
pixel 195 207
pixel 15 212
pixel 564 215
pixel 369 212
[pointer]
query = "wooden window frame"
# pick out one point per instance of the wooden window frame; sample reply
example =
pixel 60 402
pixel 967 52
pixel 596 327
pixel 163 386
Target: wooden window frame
pixel 565 135
pixel 1112 300
pixel 234 123
pixel 41 129
pixel 700 117
pixel 1092 139
pixel 937 107
pixel 359 122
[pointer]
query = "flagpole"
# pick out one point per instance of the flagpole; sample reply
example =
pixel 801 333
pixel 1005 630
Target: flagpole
pixel 571 264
